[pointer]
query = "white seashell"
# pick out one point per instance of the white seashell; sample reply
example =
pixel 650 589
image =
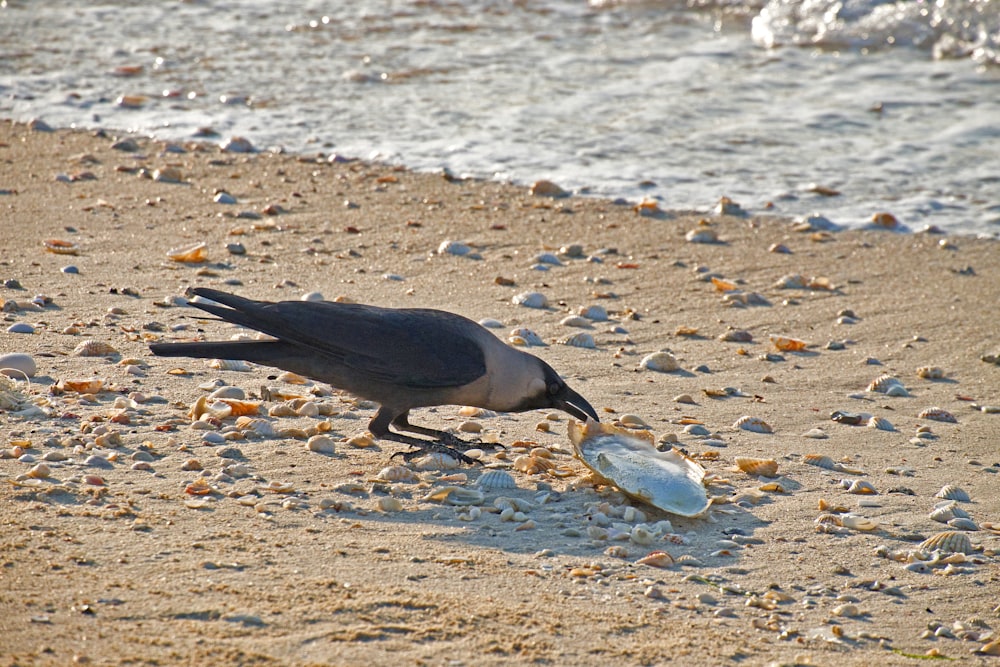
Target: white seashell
pixel 952 492
pixel 963 523
pixel 663 362
pixel 753 424
pixel 861 487
pixel 641 535
pixel 530 300
pixel 856 522
pixel 791 281
pixel 494 480
pixel 930 373
pixel 702 236
pixel 881 424
pixel 882 383
pixel 94 348
pixel 321 444
pixel 949 541
pixel 948 510
pixel 491 323
pixel 228 391
pixel 261 427
pixel 575 321
pixel 581 339
pixel 846 610
pixel 816 434
pixel 17 365
pixel 896 390
pixel 667 480
pixel 436 461
pixel 389 504
pixel 503 503
pixel 548 258
pixel 397 474
pixel 595 313
pixel 529 336
pixel 230 365
pixel 456 248
pixel 938 415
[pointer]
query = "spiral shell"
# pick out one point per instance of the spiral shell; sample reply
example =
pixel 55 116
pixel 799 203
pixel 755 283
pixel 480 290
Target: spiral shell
pixel 493 480
pixel 938 415
pixel 94 348
pixel 952 492
pixel 762 467
pixel 950 541
pixel 397 474
pixel 753 424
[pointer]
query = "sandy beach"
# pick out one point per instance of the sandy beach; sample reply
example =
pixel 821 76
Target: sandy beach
pixel 144 541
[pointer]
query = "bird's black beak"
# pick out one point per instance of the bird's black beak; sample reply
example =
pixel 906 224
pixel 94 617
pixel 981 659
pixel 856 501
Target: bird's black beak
pixel 575 404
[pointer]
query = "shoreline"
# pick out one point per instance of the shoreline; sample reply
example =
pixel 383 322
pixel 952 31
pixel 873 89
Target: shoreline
pixel 139 569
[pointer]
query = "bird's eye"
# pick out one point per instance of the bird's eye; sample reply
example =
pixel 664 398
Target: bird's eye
pixel 554 389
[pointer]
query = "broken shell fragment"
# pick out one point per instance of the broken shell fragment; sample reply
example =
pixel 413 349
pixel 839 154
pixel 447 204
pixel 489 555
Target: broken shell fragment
pixel 455 495
pixel 856 522
pixel 762 467
pixel 628 460
pixel 753 424
pixel 785 344
pixel 930 373
pixel 194 254
pixel 81 386
pixel 94 348
pixel 938 415
pixel 436 461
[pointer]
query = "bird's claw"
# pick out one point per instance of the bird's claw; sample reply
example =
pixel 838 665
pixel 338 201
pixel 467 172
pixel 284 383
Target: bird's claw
pixel 436 447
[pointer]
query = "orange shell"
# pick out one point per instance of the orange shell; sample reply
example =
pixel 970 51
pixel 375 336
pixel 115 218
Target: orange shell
pixel 762 467
pixel 191 255
pixel 724 285
pixel 788 344
pixel 242 408
pixel 660 559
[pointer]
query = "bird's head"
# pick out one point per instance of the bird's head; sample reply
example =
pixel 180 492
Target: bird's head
pixel 548 390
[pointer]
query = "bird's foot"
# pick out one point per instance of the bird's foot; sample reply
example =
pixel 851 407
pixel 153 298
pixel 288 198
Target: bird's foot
pixel 431 446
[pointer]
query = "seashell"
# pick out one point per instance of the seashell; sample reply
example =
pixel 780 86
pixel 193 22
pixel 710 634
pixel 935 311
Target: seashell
pixel 846 610
pixel 504 503
pixel 532 465
pixel 881 424
pixel 896 390
pixel 194 254
pixel 616 551
pixel 862 488
pixel 882 383
pixel 702 236
pixel 930 373
pixel 60 247
pixel 279 487
pixel 529 336
pixel 397 474
pixel 530 300
pixel 230 365
pixel 816 434
pixel 39 471
pixel 595 313
pixel 321 444
pixel 240 408
pixel 292 378
pixel 641 535
pixel 491 323
pixel 753 424
pixel 946 511
pixel 456 248
pixel 389 504
pixel 455 495
pixel 17 365
pixel 361 440
pixel 938 415
pixel 81 386
pixel 762 467
pixel 494 480
pixel 659 559
pixel 963 523
pixel 261 427
pixel 785 344
pixel 952 492
pixel 632 421
pixel 668 480
pixel 576 321
pixel 581 339
pixel 94 348
pixel 791 281
pixel 949 541
pixel 663 362
pixel 856 522
pixel 436 461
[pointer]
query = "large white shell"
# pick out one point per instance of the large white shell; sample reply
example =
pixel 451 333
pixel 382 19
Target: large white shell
pixel 950 541
pixel 667 480
pixel 952 492
pixel 530 300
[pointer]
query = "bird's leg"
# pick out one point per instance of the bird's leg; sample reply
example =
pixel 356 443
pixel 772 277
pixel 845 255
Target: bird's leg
pixel 402 423
pixel 379 427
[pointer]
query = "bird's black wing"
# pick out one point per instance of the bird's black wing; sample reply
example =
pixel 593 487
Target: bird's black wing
pixel 412 347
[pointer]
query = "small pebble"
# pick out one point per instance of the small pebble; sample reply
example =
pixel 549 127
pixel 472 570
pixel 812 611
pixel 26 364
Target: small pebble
pixel 224 198
pixel 70 269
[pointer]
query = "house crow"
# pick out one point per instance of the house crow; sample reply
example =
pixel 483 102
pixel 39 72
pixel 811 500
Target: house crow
pixel 399 358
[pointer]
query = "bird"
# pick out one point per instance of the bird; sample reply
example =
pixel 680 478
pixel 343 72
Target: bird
pixel 399 358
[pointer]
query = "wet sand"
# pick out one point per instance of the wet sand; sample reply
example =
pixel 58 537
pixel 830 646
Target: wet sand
pixel 288 559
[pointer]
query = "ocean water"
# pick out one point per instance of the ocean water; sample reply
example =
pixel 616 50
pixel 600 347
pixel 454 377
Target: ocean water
pixel 895 105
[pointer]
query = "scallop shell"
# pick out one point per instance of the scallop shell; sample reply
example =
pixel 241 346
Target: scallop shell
pixel 94 348
pixel 862 488
pixel 397 474
pixel 581 339
pixel 950 541
pixel 261 427
pixel 576 321
pixel 952 492
pixel 668 480
pixel 938 415
pixel 230 365
pixel 494 480
pixel 754 424
pixel 189 255
pixel 963 523
pixel 762 467
pixel 946 511
pixel 594 313
pixel 663 362
pixel 881 424
pixel 532 465
pixel 882 383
